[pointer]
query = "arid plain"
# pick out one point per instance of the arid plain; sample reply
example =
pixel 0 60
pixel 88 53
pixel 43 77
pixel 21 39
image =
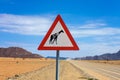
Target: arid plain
pixel 44 69
pixel 37 69
pixel 14 66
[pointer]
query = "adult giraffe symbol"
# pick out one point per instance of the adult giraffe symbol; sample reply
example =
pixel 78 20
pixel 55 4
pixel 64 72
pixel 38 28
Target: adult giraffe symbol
pixel 58 37
pixel 54 37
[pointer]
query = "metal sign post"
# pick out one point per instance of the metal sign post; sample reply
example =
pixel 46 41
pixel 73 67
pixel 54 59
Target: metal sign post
pixel 57 65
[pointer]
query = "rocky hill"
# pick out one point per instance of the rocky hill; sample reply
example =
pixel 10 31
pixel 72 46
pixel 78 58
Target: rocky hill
pixel 107 56
pixel 17 52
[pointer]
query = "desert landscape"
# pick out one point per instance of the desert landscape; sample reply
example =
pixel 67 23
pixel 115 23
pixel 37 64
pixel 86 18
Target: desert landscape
pixel 59 39
pixel 37 69
pixel 10 67
pixel 19 64
pixel 44 69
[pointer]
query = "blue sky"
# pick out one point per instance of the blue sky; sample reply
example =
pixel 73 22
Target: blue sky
pixel 94 24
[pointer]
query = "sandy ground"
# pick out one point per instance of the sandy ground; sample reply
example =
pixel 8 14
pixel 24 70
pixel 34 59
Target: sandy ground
pixel 67 72
pixel 15 66
pixel 99 70
pixel 42 69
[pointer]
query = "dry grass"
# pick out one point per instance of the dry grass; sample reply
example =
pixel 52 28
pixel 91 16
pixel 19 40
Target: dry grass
pixel 15 66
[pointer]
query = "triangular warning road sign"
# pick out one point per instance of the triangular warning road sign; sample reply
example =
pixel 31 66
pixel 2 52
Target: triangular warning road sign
pixel 58 37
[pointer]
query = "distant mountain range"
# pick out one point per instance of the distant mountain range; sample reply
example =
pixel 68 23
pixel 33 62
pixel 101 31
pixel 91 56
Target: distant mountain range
pixel 107 56
pixel 17 52
pixel 61 58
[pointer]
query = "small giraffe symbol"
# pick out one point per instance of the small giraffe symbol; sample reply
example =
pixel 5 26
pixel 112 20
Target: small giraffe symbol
pixel 54 37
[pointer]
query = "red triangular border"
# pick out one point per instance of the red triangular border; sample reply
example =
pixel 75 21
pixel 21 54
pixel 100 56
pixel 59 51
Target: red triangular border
pixel 42 47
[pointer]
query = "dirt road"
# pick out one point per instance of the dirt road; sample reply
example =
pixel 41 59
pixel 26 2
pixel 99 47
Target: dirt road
pixel 99 70
pixel 67 72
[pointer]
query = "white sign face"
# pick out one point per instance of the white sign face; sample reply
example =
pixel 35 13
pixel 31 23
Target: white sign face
pixel 58 37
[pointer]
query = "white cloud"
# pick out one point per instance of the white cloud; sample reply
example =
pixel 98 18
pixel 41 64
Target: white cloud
pixel 29 25
pixel 95 32
pixel 37 25
pixel 92 25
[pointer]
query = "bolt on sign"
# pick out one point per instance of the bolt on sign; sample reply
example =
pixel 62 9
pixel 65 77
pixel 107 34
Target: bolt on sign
pixel 58 37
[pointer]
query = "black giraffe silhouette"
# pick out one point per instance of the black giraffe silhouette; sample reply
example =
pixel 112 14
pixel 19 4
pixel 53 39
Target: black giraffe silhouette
pixel 54 37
